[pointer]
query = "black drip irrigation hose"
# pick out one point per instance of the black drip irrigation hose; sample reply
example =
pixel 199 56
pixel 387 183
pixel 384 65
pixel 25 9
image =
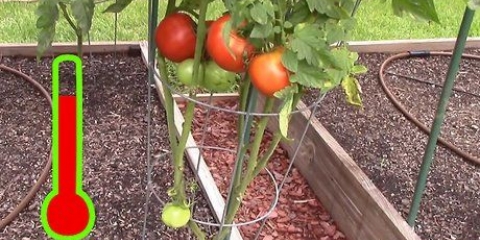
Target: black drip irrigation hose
pixel 409 116
pixel 46 170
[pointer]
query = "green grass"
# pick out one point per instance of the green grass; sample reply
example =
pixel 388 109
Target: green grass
pixel 375 22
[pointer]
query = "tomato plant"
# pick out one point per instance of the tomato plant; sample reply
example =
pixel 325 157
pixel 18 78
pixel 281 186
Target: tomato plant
pixel 185 72
pixel 175 215
pixel 297 44
pixel 228 54
pixel 267 72
pixel 217 79
pixel 175 37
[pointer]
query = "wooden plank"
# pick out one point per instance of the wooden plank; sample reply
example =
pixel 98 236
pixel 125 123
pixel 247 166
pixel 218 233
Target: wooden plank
pixel 29 49
pixel 207 183
pixel 354 202
pixel 390 46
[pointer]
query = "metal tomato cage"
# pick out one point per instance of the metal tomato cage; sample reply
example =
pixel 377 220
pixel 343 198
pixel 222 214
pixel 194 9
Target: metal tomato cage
pixel 427 158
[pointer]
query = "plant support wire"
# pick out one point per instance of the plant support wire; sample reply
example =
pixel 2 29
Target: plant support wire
pixel 440 114
pixel 152 20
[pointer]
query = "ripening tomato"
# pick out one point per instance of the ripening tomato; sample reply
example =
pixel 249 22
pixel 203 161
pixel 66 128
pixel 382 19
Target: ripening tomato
pixel 175 215
pixel 231 57
pixel 185 72
pixel 267 73
pixel 175 37
pixel 218 79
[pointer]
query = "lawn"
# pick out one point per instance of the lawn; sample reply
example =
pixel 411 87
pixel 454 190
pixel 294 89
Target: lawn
pixel 17 23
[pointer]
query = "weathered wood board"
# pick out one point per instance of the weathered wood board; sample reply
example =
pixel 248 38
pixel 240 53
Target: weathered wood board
pixel 358 207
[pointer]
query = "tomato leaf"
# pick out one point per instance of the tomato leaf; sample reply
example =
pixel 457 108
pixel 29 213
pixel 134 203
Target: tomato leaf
pixel 299 13
pixel 352 89
pixel 306 39
pixel 118 6
pixel 420 9
pixel 48 13
pixel 259 13
pixel 287 95
pixel 308 75
pixel 290 60
pixel 82 11
pixel 328 7
pixel 262 31
pixel 359 69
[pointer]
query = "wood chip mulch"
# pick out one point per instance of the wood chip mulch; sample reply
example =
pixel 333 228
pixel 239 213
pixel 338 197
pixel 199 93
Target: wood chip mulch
pixel 299 215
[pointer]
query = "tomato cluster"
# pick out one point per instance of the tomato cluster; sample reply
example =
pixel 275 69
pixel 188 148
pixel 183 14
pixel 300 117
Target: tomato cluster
pixel 176 40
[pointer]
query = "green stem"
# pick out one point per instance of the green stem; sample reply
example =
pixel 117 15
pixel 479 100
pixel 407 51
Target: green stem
pixel 77 30
pixel 179 181
pixel 79 44
pixel 197 230
pixel 240 189
pixel 280 17
pixel 440 114
pixel 200 43
pixel 277 137
pixel 255 149
pixel 172 132
pixel 170 7
pixel 262 163
pixel 244 92
pixel 235 197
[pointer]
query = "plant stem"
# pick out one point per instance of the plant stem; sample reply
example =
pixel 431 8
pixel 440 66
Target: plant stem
pixel 197 230
pixel 235 194
pixel 240 189
pixel 262 163
pixel 170 7
pixel 79 44
pixel 179 181
pixel 244 92
pixel 255 149
pixel 280 17
pixel 277 137
pixel 172 132
pixel 201 35
pixel 77 30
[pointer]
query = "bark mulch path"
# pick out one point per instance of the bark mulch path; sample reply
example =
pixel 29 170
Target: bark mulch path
pixel 389 148
pixel 298 215
pixel 115 130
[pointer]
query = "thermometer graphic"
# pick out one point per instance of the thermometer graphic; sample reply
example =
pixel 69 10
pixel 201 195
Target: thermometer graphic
pixel 67 211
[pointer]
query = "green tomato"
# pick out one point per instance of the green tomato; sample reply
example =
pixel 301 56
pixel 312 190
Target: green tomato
pixel 175 215
pixel 185 72
pixel 217 79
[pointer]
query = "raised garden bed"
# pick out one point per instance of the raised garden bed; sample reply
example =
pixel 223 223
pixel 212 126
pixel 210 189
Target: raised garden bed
pixel 347 194
pixel 115 130
pixel 389 148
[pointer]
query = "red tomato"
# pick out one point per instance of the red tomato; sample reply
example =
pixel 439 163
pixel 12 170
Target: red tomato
pixel 217 49
pixel 175 37
pixel 267 73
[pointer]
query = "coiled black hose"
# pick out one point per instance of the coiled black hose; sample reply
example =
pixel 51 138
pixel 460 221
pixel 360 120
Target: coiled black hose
pixel 410 117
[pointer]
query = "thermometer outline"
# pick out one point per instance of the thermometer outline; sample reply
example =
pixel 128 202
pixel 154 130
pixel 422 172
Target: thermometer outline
pixel 79 147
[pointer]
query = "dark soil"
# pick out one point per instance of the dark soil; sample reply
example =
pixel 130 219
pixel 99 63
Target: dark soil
pixel 115 147
pixel 389 148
